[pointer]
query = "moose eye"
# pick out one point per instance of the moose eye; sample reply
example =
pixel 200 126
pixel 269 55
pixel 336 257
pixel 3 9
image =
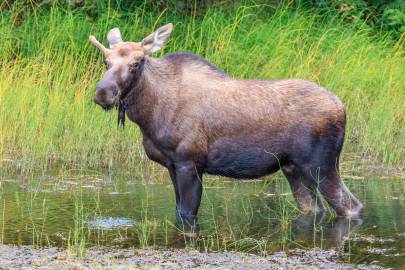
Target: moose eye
pixel 133 67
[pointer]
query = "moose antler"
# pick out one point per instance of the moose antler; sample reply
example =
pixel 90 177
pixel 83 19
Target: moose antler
pixel 99 45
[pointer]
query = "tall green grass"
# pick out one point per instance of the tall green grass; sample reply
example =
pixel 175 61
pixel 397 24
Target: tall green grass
pixel 48 72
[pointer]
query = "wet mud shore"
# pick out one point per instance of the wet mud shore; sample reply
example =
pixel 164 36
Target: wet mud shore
pixel 26 257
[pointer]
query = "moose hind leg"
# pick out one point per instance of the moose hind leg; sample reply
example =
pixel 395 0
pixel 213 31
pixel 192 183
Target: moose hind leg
pixel 339 196
pixel 304 191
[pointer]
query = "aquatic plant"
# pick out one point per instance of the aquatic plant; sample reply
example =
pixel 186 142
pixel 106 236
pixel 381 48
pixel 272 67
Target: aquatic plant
pixel 48 72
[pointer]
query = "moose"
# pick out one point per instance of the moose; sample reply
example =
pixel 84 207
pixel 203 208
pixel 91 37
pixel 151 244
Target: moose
pixel 196 119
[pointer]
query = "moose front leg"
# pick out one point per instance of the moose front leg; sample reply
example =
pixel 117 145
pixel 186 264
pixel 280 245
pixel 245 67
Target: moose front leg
pixel 189 186
pixel 156 155
pixel 172 173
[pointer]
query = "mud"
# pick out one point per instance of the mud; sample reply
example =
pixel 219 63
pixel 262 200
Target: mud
pixel 26 257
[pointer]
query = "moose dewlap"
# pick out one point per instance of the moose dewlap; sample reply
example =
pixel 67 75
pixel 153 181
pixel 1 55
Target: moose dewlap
pixel 195 119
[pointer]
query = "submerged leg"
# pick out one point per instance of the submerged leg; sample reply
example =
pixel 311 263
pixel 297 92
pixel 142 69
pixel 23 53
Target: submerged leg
pixel 189 185
pixel 339 196
pixel 333 189
pixel 304 190
pixel 156 155
pixel 172 172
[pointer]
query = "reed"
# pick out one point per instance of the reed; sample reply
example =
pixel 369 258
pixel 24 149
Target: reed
pixel 48 72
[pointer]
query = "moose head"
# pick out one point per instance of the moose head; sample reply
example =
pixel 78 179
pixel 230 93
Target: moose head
pixel 124 62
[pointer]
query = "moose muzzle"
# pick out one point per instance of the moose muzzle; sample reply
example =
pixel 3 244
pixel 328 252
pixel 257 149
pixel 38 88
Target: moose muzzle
pixel 106 93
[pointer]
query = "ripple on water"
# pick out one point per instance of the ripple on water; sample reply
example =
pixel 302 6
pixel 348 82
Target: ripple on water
pixel 110 223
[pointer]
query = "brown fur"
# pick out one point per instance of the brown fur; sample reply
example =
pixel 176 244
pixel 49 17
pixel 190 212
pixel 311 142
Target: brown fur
pixel 204 105
pixel 195 119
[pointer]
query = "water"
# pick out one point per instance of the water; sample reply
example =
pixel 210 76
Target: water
pixel 81 207
pixel 110 223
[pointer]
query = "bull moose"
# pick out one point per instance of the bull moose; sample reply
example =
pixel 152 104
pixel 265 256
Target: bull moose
pixel 196 119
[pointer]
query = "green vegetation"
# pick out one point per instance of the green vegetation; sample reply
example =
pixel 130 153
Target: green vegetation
pixel 48 71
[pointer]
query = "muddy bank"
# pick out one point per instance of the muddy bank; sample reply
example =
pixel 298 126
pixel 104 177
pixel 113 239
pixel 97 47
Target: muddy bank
pixel 52 258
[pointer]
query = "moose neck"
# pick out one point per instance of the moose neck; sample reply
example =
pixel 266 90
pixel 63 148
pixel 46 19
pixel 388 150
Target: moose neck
pixel 151 97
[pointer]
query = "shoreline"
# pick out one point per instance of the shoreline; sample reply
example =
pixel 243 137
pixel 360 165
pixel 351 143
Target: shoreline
pixel 27 257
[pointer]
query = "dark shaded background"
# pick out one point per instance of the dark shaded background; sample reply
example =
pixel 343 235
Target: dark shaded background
pixel 379 15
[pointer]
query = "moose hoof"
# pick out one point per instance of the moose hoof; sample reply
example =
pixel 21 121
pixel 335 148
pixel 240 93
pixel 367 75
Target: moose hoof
pixel 352 212
pixel 185 220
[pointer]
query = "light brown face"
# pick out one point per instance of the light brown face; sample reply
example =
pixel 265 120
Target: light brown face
pixel 124 63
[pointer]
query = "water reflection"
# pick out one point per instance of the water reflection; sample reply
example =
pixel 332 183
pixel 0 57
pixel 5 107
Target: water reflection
pixel 256 217
pixel 331 233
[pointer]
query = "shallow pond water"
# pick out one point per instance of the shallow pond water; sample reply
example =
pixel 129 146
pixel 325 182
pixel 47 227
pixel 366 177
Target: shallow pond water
pixel 84 208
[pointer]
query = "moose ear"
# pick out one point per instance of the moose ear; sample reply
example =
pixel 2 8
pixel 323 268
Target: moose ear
pixel 114 37
pixel 157 39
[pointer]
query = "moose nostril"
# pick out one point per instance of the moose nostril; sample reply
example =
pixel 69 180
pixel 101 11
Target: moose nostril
pixel 106 86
